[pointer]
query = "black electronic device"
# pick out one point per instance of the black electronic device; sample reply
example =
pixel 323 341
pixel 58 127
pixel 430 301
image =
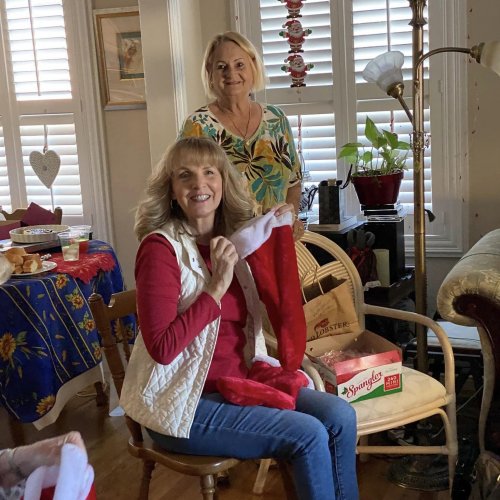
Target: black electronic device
pixel 331 202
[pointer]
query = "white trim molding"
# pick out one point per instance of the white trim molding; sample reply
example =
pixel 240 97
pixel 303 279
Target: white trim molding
pixel 95 187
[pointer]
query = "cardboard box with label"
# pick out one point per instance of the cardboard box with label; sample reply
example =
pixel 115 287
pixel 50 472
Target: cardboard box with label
pixel 376 372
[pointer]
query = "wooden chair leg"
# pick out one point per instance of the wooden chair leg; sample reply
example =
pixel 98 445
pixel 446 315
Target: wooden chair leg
pixel 147 470
pixel 288 482
pixel 207 484
pixel 100 398
pixel 16 431
pixel 260 480
pixel 363 457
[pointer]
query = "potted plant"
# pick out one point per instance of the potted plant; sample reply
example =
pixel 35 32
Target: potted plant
pixel 376 170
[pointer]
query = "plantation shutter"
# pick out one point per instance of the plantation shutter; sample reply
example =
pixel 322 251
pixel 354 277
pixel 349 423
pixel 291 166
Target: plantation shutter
pixel 311 107
pixel 40 111
pixel 333 106
pixel 377 28
pixel 4 176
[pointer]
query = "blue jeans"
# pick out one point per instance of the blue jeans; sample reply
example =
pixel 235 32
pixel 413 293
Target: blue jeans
pixel 318 440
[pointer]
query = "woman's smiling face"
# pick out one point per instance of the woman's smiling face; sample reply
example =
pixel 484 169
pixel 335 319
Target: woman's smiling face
pixel 231 70
pixel 198 191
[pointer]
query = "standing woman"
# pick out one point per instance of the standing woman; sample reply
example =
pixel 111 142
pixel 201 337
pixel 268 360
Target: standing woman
pixel 257 138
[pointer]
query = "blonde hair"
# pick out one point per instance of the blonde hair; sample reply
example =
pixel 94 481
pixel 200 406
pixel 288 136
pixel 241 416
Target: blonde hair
pixel 158 207
pixel 258 71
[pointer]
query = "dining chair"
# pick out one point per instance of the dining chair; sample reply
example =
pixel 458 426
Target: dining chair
pixel 422 396
pixel 19 213
pixel 140 445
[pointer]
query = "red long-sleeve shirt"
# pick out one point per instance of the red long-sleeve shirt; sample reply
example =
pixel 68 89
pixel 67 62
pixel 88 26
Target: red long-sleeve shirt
pixel 167 333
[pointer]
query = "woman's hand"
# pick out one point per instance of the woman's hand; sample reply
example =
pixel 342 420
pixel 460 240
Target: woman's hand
pixel 25 459
pixel 298 229
pixel 223 257
pixel 298 226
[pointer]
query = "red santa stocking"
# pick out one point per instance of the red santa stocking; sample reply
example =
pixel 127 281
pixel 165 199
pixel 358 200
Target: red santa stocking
pixel 268 247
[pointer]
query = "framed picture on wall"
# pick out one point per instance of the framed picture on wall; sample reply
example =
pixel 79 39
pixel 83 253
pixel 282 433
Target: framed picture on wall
pixel 119 56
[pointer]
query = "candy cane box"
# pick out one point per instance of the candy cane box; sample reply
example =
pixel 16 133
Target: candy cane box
pixel 357 366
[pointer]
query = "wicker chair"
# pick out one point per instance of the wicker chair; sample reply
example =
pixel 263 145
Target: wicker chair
pixel 421 397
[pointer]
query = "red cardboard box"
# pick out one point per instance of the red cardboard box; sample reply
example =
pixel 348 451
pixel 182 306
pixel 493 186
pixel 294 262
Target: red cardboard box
pixel 376 372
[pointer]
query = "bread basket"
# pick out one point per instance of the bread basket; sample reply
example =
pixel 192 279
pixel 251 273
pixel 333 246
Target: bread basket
pixel 37 234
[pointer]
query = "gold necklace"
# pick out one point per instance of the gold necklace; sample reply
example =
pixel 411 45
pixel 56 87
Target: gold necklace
pixel 244 135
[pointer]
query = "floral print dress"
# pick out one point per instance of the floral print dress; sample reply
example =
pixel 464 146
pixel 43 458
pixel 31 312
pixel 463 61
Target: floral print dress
pixel 268 158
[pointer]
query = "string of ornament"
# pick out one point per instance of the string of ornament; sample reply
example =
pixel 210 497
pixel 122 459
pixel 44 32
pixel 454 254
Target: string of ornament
pixel 295 35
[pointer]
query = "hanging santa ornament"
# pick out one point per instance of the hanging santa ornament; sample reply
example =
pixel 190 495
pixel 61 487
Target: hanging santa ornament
pixel 297 68
pixel 295 34
pixel 293 7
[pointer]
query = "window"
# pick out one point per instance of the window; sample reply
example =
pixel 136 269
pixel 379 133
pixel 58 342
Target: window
pixel 41 107
pixel 332 108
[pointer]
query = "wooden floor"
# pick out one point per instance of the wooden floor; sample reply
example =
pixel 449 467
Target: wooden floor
pixel 118 474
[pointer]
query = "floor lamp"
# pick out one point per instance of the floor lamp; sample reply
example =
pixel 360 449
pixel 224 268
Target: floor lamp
pixel 386 71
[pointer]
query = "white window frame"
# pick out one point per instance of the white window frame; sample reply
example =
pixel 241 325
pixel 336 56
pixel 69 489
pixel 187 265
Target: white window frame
pixel 89 125
pixel 447 92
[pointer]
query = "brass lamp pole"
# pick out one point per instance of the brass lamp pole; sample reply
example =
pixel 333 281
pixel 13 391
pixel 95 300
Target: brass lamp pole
pixel 418 22
pixel 385 70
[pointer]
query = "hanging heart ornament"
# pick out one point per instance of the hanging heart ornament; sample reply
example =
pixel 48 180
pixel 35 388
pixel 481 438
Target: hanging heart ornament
pixel 46 166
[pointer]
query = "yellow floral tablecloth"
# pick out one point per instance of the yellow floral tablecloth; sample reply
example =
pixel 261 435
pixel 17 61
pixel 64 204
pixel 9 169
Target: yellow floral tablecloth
pixel 49 347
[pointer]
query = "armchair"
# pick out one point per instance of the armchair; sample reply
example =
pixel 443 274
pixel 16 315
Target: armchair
pixel 422 395
pixel 470 296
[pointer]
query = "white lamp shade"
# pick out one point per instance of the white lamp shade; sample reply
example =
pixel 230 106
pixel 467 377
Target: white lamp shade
pixel 385 69
pixel 490 56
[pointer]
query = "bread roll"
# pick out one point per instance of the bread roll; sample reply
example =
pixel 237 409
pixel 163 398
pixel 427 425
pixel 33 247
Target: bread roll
pixel 30 266
pixel 15 251
pixel 14 258
pixel 33 257
pixel 18 270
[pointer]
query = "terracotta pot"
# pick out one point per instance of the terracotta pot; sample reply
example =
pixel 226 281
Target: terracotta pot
pixel 377 189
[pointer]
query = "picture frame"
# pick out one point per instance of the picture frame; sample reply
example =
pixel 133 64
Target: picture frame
pixel 119 58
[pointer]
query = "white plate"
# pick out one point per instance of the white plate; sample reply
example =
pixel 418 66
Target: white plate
pixel 18 235
pixel 47 265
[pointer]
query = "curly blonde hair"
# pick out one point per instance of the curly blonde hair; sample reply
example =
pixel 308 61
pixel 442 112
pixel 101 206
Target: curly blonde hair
pixel 258 70
pixel 158 207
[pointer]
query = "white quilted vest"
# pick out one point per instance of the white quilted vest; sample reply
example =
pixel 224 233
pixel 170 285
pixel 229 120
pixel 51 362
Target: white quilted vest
pixel 164 397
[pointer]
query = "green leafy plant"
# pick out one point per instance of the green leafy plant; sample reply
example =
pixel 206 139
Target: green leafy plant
pixel 386 155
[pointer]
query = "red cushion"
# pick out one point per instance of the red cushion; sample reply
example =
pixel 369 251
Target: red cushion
pixel 35 215
pixel 4 229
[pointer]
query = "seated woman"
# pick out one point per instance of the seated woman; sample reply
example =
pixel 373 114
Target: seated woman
pixel 198 323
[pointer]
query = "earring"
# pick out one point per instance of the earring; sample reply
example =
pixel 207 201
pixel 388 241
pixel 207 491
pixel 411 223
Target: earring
pixel 171 204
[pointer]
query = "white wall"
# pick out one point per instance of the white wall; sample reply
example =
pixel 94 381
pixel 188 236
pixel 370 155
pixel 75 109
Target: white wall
pixel 483 201
pixel 174 35
pixel 129 163
pixel 483 19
